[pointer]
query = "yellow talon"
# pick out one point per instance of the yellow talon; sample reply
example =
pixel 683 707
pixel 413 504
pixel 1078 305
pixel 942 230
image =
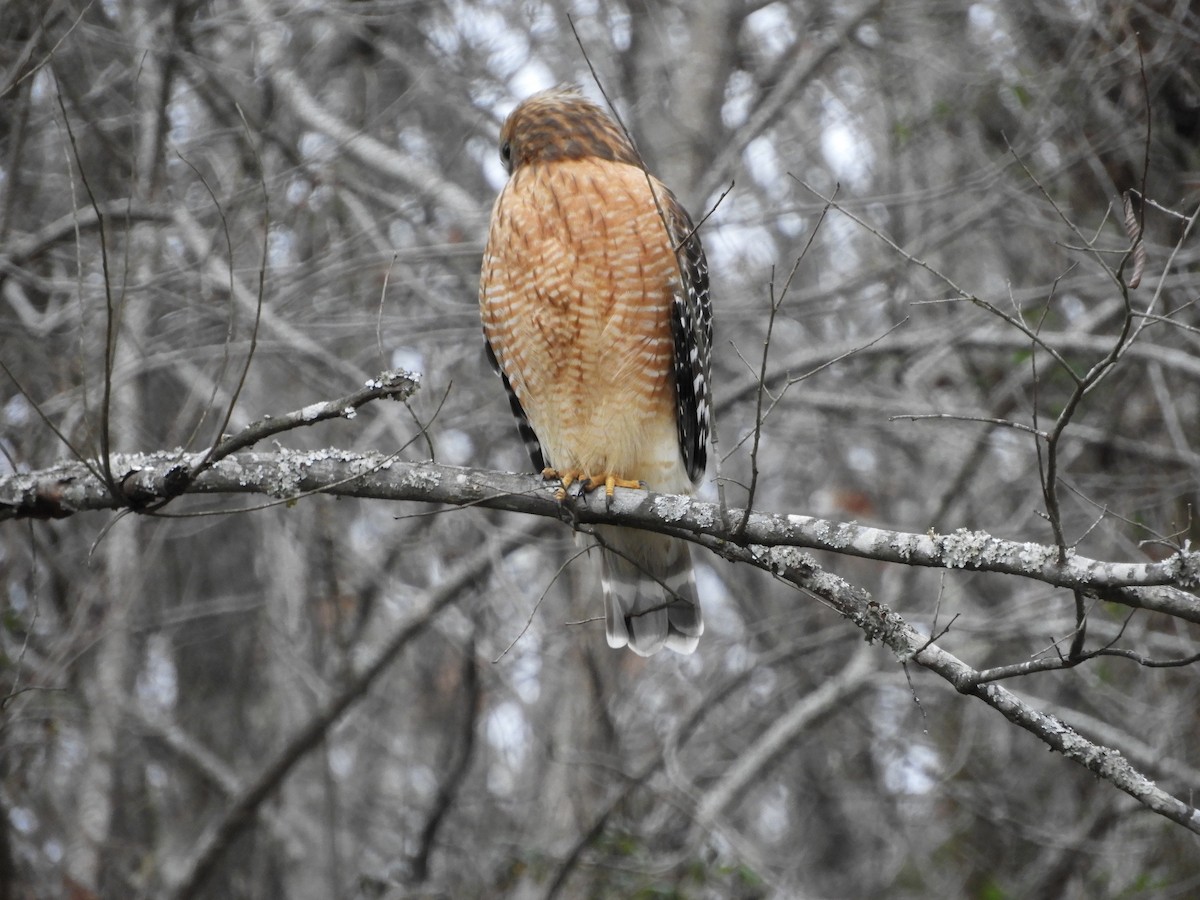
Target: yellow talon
pixel 567 478
pixel 612 481
pixel 588 483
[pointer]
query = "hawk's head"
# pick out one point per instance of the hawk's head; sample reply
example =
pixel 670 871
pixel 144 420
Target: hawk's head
pixel 561 123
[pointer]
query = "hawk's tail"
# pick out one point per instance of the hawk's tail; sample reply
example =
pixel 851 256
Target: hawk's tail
pixel 650 599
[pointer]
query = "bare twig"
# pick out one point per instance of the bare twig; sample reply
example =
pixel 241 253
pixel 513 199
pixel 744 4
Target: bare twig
pixel 773 309
pixel 260 293
pixel 1135 216
pixel 49 423
pixel 650 180
pixel 110 319
pixel 789 380
pixel 537 604
pixel 679 244
pixel 774 306
pixel 960 293
pixel 986 420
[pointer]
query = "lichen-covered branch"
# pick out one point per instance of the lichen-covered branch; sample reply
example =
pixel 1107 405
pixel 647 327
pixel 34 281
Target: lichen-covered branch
pixel 41 498
pixel 69 488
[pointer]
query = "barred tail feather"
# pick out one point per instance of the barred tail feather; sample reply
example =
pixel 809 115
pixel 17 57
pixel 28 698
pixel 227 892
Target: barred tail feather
pixel 650 599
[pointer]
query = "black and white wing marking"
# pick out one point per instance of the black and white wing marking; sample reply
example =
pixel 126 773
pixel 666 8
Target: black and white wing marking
pixel 532 444
pixel 691 328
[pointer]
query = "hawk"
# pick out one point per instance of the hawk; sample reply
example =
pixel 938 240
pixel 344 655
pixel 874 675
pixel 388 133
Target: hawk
pixel 596 313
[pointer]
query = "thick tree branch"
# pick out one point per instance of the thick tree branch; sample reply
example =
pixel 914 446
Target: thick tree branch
pixel 69 488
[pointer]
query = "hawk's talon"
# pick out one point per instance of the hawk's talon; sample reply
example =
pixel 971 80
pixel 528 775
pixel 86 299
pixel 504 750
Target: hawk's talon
pixel 567 478
pixel 612 481
pixel 588 483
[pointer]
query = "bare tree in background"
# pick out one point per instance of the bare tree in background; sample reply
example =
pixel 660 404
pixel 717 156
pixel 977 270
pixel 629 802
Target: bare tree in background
pixel 956 286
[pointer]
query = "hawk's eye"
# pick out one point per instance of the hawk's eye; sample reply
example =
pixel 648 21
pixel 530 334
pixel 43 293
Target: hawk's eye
pixel 506 154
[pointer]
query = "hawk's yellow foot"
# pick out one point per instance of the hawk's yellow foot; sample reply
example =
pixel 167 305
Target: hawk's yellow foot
pixel 612 481
pixel 587 483
pixel 568 477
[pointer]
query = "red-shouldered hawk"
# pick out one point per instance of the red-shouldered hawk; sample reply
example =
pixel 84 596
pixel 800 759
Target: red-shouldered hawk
pixel 595 306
